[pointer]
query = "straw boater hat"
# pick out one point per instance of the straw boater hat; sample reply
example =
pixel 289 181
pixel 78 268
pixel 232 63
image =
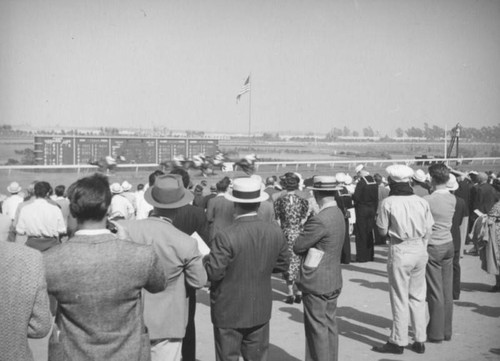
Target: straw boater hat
pixel 116 188
pixel 419 176
pixel 400 173
pixel 168 192
pixel 359 168
pixel 452 183
pixel 348 179
pixel 325 183
pixel 126 186
pixel 14 188
pixel 246 190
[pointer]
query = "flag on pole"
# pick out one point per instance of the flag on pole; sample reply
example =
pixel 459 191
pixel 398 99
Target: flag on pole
pixel 244 89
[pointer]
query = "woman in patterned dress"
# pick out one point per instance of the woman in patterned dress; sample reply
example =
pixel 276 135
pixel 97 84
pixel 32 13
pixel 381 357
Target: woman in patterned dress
pixel 291 212
pixel 494 216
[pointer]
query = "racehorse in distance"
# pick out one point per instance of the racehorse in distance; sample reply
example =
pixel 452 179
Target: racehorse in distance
pixel 247 164
pixel 107 164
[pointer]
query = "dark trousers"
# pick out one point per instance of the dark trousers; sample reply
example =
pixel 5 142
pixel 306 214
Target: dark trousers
pixel 456 268
pixel 252 343
pixel 365 223
pixel 345 256
pixel 189 341
pixel 439 277
pixel 320 324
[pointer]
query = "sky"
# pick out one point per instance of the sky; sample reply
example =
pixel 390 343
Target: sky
pixel 314 65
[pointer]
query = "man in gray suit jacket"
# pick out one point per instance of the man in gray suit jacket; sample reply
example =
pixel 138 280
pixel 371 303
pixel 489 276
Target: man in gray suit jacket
pixel 243 256
pixel 166 313
pixel 320 273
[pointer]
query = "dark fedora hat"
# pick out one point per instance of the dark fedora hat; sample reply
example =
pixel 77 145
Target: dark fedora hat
pixel 168 192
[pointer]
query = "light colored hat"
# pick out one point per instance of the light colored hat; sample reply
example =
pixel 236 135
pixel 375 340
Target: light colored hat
pixel 348 179
pixel 399 173
pixel 14 188
pixel 452 183
pixel 359 167
pixel 340 177
pixel 116 188
pixel 419 176
pixel 247 190
pixel 168 192
pixel 325 183
pixel 126 186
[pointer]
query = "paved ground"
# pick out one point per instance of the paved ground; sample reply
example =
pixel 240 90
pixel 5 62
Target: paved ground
pixel 364 318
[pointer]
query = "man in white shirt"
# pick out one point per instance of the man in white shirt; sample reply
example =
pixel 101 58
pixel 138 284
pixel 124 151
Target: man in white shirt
pixel 120 207
pixel 9 206
pixel 41 221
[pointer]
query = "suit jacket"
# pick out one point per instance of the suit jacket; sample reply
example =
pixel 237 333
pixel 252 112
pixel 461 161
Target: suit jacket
pixel 97 281
pixel 366 195
pixel 165 313
pixel 242 259
pixel 24 306
pixel 220 214
pixel 190 219
pixel 324 231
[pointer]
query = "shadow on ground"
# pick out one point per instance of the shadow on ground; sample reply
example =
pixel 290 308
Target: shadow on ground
pixel 278 354
pixel 384 286
pixel 474 287
pixel 482 310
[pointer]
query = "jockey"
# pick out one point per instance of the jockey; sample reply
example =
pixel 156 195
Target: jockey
pixel 110 161
pixel 250 158
pixel 219 158
pixel 199 160
pixel 179 160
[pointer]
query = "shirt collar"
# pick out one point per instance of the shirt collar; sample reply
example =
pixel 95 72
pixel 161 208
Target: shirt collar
pixel 251 214
pixel 328 205
pixel 91 232
pixel 441 190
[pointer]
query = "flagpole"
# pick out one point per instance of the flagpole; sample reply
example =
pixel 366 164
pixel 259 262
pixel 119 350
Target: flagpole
pixel 250 111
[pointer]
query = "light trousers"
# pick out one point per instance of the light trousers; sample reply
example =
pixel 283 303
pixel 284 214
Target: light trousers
pixel 406 266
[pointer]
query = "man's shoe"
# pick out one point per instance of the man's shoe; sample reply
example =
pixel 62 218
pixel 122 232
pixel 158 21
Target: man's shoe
pixel 289 300
pixel 418 347
pixel 298 299
pixel 389 348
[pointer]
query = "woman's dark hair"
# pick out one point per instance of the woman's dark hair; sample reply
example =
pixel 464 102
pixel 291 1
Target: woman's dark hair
pixel 290 181
pixel 89 198
pixel 440 173
pixel 223 184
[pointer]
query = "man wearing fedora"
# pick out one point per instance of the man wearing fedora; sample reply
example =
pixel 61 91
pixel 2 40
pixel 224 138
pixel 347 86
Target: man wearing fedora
pixel 320 280
pixel 166 313
pixel 243 256
pixel 406 220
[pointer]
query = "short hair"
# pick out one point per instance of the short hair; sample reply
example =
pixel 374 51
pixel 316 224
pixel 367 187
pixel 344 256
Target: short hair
pixel 59 190
pixel 140 187
pixel 248 207
pixel 153 176
pixel 270 181
pixel 378 178
pixel 42 189
pixel 440 173
pixel 89 198
pixel 184 174
pixel 223 184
